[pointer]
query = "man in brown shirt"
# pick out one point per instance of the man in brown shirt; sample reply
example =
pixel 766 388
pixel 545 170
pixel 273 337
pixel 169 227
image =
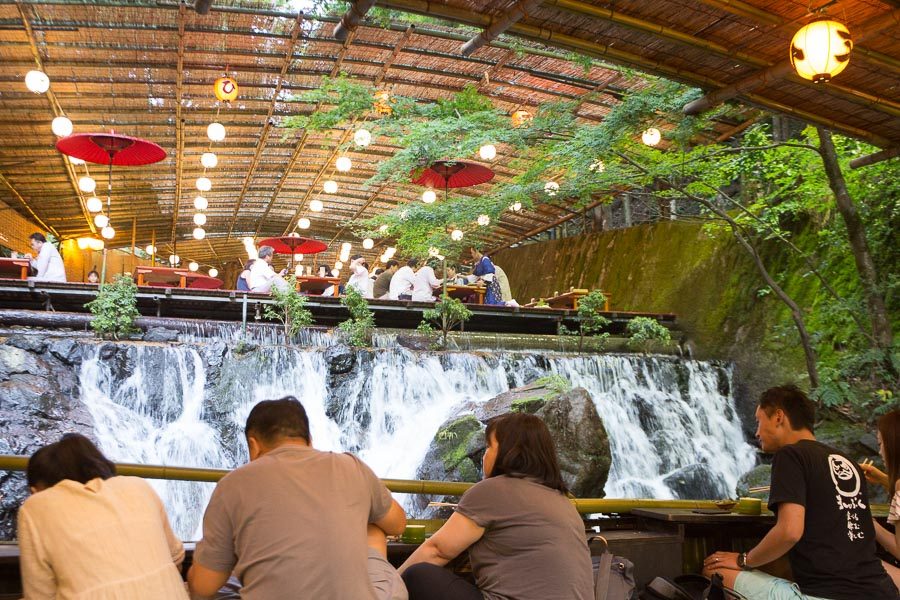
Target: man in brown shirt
pixel 383 281
pixel 293 522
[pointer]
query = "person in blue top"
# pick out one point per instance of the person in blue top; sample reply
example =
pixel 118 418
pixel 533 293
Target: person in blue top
pixel 243 284
pixel 484 269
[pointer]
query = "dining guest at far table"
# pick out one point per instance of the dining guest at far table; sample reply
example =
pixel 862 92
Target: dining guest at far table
pixel 49 263
pixel 485 270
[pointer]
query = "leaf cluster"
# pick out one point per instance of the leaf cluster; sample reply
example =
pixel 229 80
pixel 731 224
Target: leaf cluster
pixel 358 329
pixel 646 333
pixel 448 314
pixel 115 308
pixel 289 308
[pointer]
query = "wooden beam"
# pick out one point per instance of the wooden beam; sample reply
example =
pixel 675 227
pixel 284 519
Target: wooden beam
pixel 871 159
pixel 179 123
pixel 547 226
pixel 514 14
pixel 27 206
pixel 351 19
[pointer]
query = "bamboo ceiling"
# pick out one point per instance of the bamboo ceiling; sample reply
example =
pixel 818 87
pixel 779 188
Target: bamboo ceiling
pixel 145 68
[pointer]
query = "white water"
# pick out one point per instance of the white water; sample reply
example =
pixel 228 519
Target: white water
pixel 162 410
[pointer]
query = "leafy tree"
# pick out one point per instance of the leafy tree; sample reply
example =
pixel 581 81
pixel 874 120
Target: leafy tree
pixel 289 308
pixel 115 308
pixel 359 327
pixel 447 314
pixel 644 333
pixel 590 321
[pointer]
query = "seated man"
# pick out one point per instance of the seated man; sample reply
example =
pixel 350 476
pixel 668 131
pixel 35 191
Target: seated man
pixel 262 275
pixel 293 522
pixel 823 520
pixel 49 264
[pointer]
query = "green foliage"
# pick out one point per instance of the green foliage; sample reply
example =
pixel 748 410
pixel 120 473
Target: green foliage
pixel 445 435
pixel 343 97
pixel 447 314
pixel 289 308
pixel 645 333
pixel 555 382
pixel 359 327
pixel 590 321
pixel 115 308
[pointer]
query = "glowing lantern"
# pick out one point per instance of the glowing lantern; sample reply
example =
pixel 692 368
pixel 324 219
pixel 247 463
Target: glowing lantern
pixel 330 187
pixel 76 161
pixel 390 252
pixel 209 160
pixel 151 249
pixel 651 136
pixel 383 228
pixel 61 126
pixel 303 223
pixel 84 243
pixel 521 117
pixel 204 184
pixel 97 244
pixel 174 259
pixel 94 204
pixel 343 164
pixel 487 152
pixel 298 257
pixel 456 235
pixel 215 132
pixel 108 232
pixel 87 184
pixel 201 203
pixel 368 244
pixel 37 82
pixel 193 266
pixel 199 233
pixel 316 206
pixel 199 219
pixel 226 89
pixel 101 220
pixel 597 166
pixel 335 272
pixel 428 196
pixel 362 138
pixel 515 206
pixel 213 272
pixel 821 50
pixel 551 188
pixel 382 103
pixel 484 220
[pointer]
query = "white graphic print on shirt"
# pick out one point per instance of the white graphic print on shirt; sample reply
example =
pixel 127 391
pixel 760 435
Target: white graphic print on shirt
pixel 847 485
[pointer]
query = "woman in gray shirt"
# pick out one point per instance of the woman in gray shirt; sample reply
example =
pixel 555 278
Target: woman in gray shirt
pixel 525 539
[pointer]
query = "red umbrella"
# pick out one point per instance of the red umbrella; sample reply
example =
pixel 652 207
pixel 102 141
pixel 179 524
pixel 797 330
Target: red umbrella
pixel 291 244
pixel 110 149
pixel 452 174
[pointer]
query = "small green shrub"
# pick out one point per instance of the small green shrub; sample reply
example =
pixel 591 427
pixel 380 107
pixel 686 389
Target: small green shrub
pixel 447 314
pixel 645 333
pixel 358 328
pixel 556 383
pixel 289 308
pixel 115 308
pixel 590 321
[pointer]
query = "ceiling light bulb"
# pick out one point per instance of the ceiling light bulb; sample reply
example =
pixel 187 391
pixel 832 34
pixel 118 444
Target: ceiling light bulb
pixel 94 204
pixel 209 160
pixel 37 82
pixel 151 249
pixel 213 272
pixel 316 206
pixel 368 244
pixel 383 228
pixel 456 235
pixel 428 196
pixel 343 164
pixel 199 219
pixel 330 187
pixel 651 136
pixel 174 259
pixel 303 223
pixel 201 203
pixel 484 220
pixel 515 206
pixel 199 233
pixel 101 220
pixel 204 184
pixel 76 161
pixel 108 232
pixel 61 126
pixel 552 188
pixel 487 152
pixel 193 266
pixel 87 184
pixel 216 132
pixel 362 137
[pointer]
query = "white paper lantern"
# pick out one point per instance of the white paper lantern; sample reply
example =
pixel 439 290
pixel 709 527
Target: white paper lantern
pixel 199 233
pixel 821 50
pixel 515 206
pixel 201 203
pixel 487 152
pixel 97 244
pixel 597 166
pixel 330 187
pixel 213 272
pixel 216 132
pixel 338 265
pixel 94 204
pixel 108 232
pixel 390 252
pixel 76 161
pixel 362 137
pixel 101 220
pixel 651 136
pixel 456 235
pixel 551 188
pixel 298 257
pixel 61 126
pixel 204 184
pixel 368 244
pixel 433 251
pixel 428 196
pixel 484 220
pixel 316 205
pixel 383 228
pixel 37 82
pixel 151 249
pixel 303 223
pixel 199 219
pixel 174 259
pixel 209 160
pixel 193 266
pixel 335 272
pixel 343 164
pixel 87 184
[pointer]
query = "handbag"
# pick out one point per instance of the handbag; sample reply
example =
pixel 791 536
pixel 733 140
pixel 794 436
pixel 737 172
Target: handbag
pixel 613 575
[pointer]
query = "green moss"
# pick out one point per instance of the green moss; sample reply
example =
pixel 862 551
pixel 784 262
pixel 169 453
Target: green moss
pixel 527 405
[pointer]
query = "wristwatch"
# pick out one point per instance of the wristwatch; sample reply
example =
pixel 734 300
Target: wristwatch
pixel 742 562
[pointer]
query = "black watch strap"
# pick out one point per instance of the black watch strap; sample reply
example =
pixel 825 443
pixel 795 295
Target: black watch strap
pixel 742 562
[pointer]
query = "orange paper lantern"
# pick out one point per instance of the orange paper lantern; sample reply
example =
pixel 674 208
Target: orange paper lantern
pixel 521 117
pixel 382 103
pixel 226 89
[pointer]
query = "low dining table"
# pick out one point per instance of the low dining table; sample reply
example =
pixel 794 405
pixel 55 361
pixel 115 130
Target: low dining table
pixel 14 268
pixel 464 291
pixel 175 277
pixel 315 286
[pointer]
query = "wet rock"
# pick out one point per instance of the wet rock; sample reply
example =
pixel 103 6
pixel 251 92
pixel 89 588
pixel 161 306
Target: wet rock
pixel 869 442
pixel 66 350
pixel 414 342
pixel 340 358
pixel 16 360
pixel 32 343
pixel 108 351
pixel 161 334
pixel 758 476
pixel 695 482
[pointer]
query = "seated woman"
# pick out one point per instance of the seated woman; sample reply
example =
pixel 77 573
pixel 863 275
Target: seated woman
pixel 484 269
pixel 243 280
pixel 889 448
pixel 525 538
pixel 85 533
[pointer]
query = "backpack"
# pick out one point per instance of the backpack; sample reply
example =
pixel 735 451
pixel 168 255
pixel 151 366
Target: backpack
pixel 613 575
pixel 690 587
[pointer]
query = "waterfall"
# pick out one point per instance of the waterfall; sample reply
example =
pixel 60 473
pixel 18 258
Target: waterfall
pixel 186 404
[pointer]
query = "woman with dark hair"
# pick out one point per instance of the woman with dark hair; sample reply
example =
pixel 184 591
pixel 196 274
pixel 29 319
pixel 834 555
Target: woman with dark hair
pixel 525 538
pixel 889 448
pixel 484 269
pixel 86 533
pixel 243 280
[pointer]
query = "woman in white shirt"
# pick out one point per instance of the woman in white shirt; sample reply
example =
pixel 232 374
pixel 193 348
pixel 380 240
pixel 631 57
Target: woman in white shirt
pixel 424 284
pixel 87 534
pixel 359 276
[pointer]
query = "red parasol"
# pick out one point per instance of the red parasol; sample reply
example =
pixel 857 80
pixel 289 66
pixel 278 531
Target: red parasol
pixel 452 174
pixel 293 244
pixel 110 149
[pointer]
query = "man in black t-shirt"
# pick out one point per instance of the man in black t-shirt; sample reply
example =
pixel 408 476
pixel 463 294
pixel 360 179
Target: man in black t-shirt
pixel 823 520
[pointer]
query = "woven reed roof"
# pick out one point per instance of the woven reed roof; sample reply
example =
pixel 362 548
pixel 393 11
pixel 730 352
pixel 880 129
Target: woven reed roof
pixel 145 68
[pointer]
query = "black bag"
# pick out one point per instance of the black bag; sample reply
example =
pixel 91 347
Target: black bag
pixel 690 587
pixel 613 575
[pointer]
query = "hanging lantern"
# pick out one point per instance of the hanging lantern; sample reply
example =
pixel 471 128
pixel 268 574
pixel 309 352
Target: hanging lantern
pixel 383 228
pixel 213 272
pixel 597 166
pixel 101 220
pixel 515 206
pixel 651 136
pixel 108 232
pixel 174 259
pixel 193 266
pixel 343 164
pixel 487 152
pixel 456 235
pixel 209 160
pixel 382 102
pixel 87 184
pixel 151 249
pixel 215 132
pixel 362 138
pixel 390 251
pixel 521 117
pixel 204 184
pixel 330 187
pixel 199 233
pixel 37 82
pixel 298 257
pixel 199 219
pixel 316 206
pixel 201 203
pixel 61 126
pixel 338 265
pixel 97 244
pixel 484 220
pixel 551 188
pixel 84 243
pixel 433 251
pixel 226 89
pixel 821 50
pixel 94 204
pixel 368 244
pixel 303 223
pixel 76 161
pixel 428 196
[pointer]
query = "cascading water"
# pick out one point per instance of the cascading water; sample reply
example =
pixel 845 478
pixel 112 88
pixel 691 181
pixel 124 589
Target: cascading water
pixel 177 406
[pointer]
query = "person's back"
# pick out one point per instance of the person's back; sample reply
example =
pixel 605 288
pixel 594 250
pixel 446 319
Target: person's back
pixel 382 284
pixel 101 539
pixel 402 282
pixel 503 280
pixel 424 284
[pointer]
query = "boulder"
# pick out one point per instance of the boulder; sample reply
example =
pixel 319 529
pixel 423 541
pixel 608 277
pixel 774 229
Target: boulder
pixel 161 334
pixel 66 350
pixel 695 482
pixel 340 358
pixel 414 342
pixel 758 476
pixel 31 343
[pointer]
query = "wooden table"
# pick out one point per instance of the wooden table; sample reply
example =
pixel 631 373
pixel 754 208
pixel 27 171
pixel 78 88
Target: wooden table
pixel 314 286
pixel 14 268
pixel 464 291
pixel 175 277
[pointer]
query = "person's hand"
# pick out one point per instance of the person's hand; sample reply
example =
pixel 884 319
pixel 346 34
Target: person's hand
pixel 874 474
pixel 721 560
pixel 282 272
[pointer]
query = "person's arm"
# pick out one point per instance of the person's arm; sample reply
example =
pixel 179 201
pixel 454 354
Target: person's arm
pixel 394 522
pixel 433 281
pixel 457 534
pixel 204 582
pixel 875 475
pixel 42 263
pixel 781 538
pixel 38 579
pixel 214 558
pixel 887 539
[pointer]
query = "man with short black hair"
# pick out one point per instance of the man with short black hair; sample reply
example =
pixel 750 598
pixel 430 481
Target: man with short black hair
pixel 823 520
pixel 49 263
pixel 382 286
pixel 296 522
